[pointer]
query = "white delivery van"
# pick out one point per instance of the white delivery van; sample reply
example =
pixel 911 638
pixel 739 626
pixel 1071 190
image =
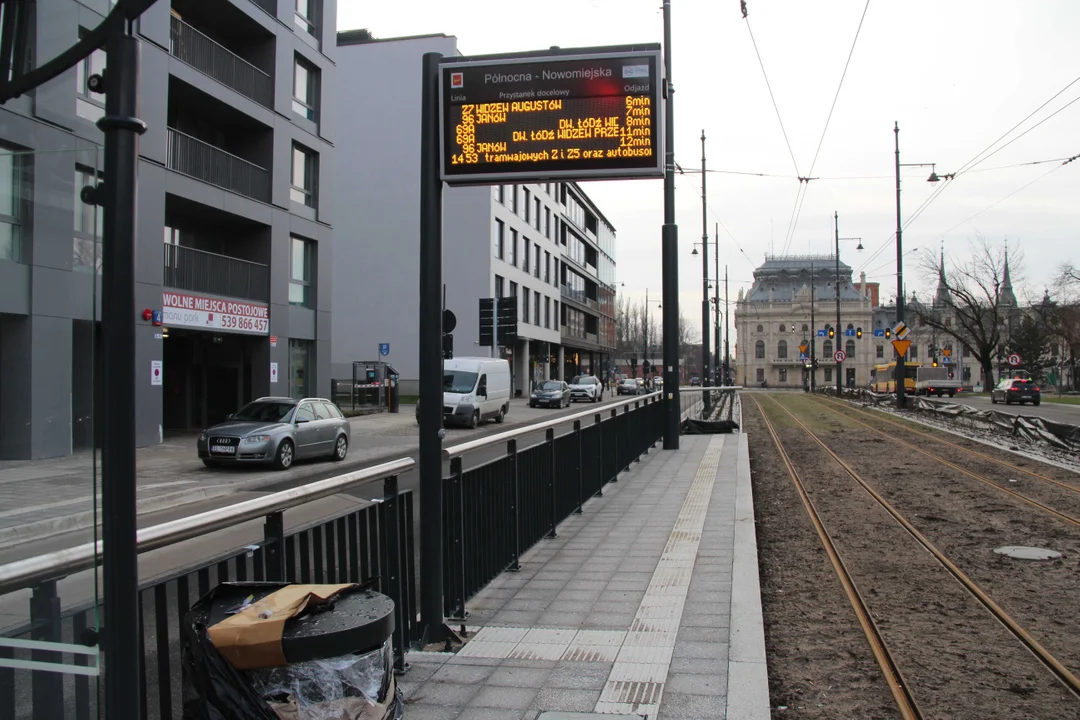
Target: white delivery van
pixel 475 389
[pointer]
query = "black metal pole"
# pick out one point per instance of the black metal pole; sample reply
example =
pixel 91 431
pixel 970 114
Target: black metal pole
pixel 120 564
pixel 707 400
pixel 813 333
pixel 727 326
pixel 839 365
pixel 431 361
pixel 670 254
pixel 901 390
pixel 718 367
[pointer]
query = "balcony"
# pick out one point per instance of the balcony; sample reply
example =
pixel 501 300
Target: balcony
pixel 206 272
pixel 269 6
pixel 214 60
pixel 579 297
pixel 785 361
pixel 191 156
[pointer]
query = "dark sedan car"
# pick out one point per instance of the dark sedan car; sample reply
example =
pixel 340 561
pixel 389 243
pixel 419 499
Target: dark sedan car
pixel 1016 390
pixel 553 393
pixel 278 431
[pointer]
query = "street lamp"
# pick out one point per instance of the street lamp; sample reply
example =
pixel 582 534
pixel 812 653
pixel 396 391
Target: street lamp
pixel 899 377
pixel 839 365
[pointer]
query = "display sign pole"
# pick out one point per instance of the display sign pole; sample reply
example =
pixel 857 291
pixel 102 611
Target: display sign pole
pixel 670 257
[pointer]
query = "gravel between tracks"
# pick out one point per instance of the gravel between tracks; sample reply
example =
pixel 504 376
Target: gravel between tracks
pixel 960 662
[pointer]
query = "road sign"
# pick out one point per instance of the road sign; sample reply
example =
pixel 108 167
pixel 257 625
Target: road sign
pixel 900 330
pixel 879 333
pixel 584 115
pixel 822 333
pixel 850 332
pixel 384 349
pixel 946 351
pixel 506 321
pixel 946 360
pixel 803 357
pixel 803 348
pixel 449 321
pixel 901 346
pixel 840 356
pixel 1014 359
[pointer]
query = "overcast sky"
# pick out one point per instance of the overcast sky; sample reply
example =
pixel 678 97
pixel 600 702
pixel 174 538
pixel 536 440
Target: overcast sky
pixel 956 75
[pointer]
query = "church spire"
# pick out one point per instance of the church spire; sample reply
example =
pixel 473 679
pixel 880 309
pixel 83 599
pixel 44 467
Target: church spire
pixel 942 295
pixel 1008 297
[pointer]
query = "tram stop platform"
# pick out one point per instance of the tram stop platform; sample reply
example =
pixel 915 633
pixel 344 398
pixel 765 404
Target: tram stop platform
pixel 646 605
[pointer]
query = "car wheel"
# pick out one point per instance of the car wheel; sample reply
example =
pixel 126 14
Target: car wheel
pixel 474 422
pixel 285 455
pixel 501 416
pixel 1036 402
pixel 993 400
pixel 341 448
pixel 1007 402
pixel 209 463
pixel 532 404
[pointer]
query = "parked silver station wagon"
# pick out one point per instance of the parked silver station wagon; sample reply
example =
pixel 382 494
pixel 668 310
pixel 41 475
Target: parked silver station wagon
pixel 277 430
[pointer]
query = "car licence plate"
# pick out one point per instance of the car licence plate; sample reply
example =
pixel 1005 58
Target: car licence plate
pixel 223 449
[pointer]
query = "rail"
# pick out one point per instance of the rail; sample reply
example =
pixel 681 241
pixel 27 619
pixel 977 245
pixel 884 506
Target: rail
pixel 203 161
pixel 218 62
pixel 197 270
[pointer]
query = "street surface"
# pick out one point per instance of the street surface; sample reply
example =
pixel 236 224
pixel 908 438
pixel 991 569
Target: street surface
pixel 1056 412
pixel 385 437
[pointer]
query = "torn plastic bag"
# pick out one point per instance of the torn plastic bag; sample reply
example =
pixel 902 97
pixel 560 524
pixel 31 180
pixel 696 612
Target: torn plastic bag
pixel 349 687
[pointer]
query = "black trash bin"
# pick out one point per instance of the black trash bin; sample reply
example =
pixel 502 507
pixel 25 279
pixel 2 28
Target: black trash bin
pixel 336 659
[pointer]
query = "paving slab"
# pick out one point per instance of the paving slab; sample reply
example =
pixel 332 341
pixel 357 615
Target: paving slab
pixel 661 617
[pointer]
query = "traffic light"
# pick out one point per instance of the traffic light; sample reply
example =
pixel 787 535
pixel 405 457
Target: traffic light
pixel 792 327
pixel 858 333
pixel 448 346
pixel 832 332
pixel 935 362
pixel 888 333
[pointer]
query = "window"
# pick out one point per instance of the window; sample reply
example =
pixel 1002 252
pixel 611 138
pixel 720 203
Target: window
pixel 547 223
pixel 524 304
pixel 500 285
pixel 783 375
pixel 513 247
pixel 300 380
pixel 547 266
pixel 914 352
pixel 760 375
pixel 528 204
pixel 781 327
pixel 89 227
pixel 300 273
pixel 849 349
pixel 304 171
pixel 514 198
pixel 89 105
pixel 761 328
pixel 11 204
pixel 850 326
pixel 948 322
pixel 759 350
pixel 305 412
pixel 501 194
pixel 500 238
pixel 547 312
pixel 826 349
pixel 321 413
pixel 307 15
pixel 555 269
pixel 555 312
pixel 781 349
pixel 513 289
pixel 536 213
pixel 880 351
pixel 305 88
pixel 527 253
pixel 536 308
pixel 536 260
pixel 828 374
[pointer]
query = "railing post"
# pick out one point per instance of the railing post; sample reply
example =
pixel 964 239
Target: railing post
pixel 553 519
pixel 274 546
pixel 615 434
pixel 46 688
pixel 511 453
pixel 455 570
pixel 641 428
pixel 629 442
pixel 579 436
pixel 390 540
pixel 598 422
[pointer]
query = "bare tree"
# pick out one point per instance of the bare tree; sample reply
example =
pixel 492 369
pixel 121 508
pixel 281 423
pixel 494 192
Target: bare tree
pixel 1059 314
pixel 978 304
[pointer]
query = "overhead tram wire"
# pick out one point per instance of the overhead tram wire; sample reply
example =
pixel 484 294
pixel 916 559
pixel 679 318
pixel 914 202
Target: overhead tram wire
pixel 772 97
pixel 715 216
pixel 824 130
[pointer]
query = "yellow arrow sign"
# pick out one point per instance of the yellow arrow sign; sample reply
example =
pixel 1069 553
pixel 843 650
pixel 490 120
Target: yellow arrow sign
pixel 946 352
pixel 803 348
pixel 901 346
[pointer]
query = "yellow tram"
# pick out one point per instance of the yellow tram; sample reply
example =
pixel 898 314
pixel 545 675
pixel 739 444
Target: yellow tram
pixel 883 377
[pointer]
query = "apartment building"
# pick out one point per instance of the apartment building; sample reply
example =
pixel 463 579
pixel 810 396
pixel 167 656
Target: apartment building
pixel 546 244
pixel 233 237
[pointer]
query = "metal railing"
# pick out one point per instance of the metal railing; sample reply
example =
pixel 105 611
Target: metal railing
pixel 496 511
pixel 369 542
pixel 200 271
pixel 191 156
pixel 218 62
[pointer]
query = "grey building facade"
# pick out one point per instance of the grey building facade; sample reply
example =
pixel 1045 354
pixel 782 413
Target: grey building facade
pixel 233 238
pixel 546 244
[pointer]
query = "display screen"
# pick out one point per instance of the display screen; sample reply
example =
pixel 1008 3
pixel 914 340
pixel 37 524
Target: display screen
pixel 584 116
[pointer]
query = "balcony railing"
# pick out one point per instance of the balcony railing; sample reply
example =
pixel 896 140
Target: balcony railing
pixel 579 297
pixel 269 6
pixel 216 61
pixel 206 272
pixel 203 161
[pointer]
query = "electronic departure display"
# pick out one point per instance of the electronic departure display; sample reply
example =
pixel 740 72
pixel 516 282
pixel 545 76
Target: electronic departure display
pixel 591 116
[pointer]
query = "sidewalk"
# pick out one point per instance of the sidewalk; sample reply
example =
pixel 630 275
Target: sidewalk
pixel 647 605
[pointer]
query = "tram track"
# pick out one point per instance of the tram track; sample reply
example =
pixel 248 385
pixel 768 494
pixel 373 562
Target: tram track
pixel 908 708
